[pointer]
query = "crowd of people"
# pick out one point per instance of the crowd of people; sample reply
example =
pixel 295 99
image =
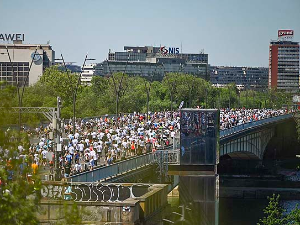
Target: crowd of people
pixel 234 117
pixel 105 140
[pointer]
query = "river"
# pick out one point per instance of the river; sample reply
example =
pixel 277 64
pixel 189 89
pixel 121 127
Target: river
pixel 207 209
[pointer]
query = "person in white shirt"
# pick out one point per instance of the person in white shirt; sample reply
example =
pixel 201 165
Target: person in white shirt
pixel 81 147
pixel 94 135
pixel 99 150
pixel 36 158
pixel 78 168
pixel 87 142
pixel 44 156
pixel 74 142
pixel 76 135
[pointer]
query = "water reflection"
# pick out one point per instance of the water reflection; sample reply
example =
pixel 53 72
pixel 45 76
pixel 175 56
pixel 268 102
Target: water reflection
pixel 198 201
pixel 199 204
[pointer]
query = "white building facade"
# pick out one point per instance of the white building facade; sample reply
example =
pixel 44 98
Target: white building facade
pixel 24 63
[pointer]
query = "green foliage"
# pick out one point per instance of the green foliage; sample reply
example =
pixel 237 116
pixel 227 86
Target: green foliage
pixel 18 199
pixel 58 83
pixel 276 215
pixel 294 216
pixel 130 94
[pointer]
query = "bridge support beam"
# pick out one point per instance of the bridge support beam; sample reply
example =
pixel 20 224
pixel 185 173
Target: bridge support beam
pixel 254 143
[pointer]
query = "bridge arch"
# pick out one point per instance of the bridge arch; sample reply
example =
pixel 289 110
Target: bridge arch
pixel 254 142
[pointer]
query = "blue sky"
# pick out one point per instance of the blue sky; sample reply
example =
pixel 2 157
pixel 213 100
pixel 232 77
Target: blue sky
pixel 232 32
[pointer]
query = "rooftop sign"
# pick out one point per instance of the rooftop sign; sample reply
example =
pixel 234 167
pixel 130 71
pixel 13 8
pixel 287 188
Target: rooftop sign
pixel 12 37
pixel 169 50
pixel 285 34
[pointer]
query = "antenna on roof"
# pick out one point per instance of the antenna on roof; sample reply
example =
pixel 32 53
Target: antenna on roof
pixel 181 47
pixel 48 42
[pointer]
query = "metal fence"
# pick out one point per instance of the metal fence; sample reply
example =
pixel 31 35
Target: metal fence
pixel 253 124
pixel 168 156
pixel 114 169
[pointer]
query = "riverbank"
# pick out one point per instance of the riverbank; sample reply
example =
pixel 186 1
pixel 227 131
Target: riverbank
pixel 258 187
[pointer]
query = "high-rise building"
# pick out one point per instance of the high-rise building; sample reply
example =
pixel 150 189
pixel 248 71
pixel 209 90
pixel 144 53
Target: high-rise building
pixel 16 60
pixel 244 77
pixel 284 62
pixel 87 74
pixel 153 62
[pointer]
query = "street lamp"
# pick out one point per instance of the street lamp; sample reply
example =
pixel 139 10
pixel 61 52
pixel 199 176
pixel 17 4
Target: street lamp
pixel 118 86
pixel 20 94
pixel 74 90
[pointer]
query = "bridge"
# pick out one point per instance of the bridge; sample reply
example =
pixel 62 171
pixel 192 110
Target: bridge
pixel 246 140
pixel 117 203
pixel 251 139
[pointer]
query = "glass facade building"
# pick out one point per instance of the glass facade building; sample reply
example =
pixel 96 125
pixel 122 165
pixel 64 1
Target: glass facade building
pixel 199 136
pixel 243 77
pixel 151 63
pixel 14 73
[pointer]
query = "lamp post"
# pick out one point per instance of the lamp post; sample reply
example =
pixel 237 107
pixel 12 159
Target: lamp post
pixel 20 94
pixel 75 89
pixel 119 89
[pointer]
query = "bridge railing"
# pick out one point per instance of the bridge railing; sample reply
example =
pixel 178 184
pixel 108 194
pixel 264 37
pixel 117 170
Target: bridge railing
pixel 245 126
pixel 113 169
pixel 168 156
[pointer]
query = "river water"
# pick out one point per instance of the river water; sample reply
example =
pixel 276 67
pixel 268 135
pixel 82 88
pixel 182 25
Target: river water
pixel 199 196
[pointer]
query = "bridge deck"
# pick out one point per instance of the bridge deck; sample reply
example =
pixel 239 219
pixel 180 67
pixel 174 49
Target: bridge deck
pixel 171 156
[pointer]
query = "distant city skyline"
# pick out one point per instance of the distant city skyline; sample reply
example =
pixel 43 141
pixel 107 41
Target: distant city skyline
pixel 233 32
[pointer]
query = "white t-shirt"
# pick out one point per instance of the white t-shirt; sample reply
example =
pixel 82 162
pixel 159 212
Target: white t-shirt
pixel 41 144
pixel 71 150
pixel 81 147
pixel 77 167
pixel 44 153
pixel 99 148
pixel 93 154
pixel 74 142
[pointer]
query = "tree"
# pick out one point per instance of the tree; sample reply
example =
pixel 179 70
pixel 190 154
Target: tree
pixel 171 81
pixel 120 84
pixel 18 196
pixel 276 215
pixel 59 83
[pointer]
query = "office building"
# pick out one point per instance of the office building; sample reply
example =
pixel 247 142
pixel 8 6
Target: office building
pixel 87 74
pixel 153 62
pixel 284 62
pixel 16 59
pixel 244 77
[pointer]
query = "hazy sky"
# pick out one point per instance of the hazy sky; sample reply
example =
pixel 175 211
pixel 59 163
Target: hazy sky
pixel 232 32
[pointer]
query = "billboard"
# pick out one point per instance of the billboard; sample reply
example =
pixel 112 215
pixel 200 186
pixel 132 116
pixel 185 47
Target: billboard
pixel 199 136
pixel 285 34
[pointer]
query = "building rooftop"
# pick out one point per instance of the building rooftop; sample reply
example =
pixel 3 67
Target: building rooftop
pixel 26 46
pixel 280 42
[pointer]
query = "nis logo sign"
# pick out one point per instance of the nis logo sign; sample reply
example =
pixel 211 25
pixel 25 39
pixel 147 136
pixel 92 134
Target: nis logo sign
pixel 11 37
pixel 166 51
